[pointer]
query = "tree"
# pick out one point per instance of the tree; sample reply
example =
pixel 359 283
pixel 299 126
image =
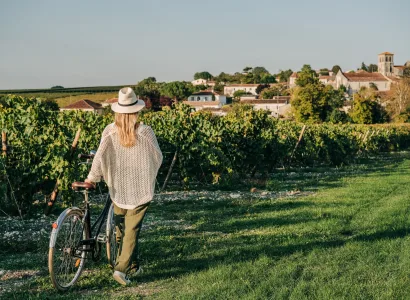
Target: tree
pixel 238 94
pixel 372 68
pixel 247 69
pixel 338 116
pixel 224 77
pixel 373 86
pixel 276 90
pixel 165 101
pixel 149 90
pixel 219 88
pixel 177 90
pixel 336 69
pixel 399 96
pixel 363 67
pixel 261 87
pixel 199 87
pixel 203 75
pixel 406 72
pixel 312 102
pixel 266 78
pixel 365 109
pixel 324 72
pixel 284 75
pixel 306 76
pixel 57 87
pixel 260 71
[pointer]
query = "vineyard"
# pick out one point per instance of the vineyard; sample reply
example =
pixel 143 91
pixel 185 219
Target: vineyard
pixel 204 150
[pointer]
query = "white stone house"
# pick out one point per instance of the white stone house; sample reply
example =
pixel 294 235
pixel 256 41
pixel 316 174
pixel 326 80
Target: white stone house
pixel 278 106
pixel 199 105
pixel 207 95
pixel 199 81
pixel 354 81
pixel 229 90
pixel 292 79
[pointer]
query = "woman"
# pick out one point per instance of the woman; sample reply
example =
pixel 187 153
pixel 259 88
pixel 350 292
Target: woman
pixel 128 159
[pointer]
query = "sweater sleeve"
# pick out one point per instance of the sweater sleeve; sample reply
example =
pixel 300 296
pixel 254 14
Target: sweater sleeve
pixel 96 169
pixel 149 135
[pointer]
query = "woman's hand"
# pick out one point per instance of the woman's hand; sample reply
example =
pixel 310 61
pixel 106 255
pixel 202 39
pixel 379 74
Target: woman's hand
pixel 89 181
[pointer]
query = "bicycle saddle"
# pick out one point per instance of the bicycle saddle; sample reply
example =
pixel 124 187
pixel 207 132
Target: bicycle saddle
pixel 82 185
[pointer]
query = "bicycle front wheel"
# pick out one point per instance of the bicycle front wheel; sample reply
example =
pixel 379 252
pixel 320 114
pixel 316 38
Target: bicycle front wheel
pixel 66 259
pixel 112 244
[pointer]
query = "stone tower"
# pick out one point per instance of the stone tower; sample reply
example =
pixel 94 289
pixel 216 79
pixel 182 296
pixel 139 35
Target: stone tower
pixel 386 63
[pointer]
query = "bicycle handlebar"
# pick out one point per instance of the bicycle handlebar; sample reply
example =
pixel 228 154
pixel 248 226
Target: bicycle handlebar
pixel 87 156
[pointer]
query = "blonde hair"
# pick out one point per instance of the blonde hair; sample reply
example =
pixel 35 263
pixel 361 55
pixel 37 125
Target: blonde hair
pixel 127 125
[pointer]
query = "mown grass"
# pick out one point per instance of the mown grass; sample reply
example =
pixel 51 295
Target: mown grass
pixel 66 98
pixel 348 239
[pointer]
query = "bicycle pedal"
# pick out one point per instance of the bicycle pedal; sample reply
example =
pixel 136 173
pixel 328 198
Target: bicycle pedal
pixel 102 238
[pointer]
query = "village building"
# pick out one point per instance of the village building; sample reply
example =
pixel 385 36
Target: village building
pixel 229 90
pixel 199 105
pixel 85 105
pixel 248 97
pixel 199 81
pixel 278 106
pixel 355 81
pixel 206 99
pixel 292 80
pixel 206 82
pixel 386 65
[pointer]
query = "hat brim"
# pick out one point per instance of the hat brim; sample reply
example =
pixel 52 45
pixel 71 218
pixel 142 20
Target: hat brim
pixel 128 109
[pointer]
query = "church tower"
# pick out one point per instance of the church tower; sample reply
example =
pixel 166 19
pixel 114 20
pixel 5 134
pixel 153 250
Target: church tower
pixel 386 63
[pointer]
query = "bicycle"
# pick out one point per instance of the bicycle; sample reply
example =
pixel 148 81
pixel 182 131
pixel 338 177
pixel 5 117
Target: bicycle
pixel 73 239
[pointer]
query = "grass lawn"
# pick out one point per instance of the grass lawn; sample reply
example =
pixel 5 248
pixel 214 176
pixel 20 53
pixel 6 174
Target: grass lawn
pixel 326 234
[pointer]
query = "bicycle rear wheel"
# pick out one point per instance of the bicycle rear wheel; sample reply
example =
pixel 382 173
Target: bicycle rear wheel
pixel 112 245
pixel 66 259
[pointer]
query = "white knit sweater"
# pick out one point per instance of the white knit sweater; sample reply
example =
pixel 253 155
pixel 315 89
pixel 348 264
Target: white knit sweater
pixel 129 172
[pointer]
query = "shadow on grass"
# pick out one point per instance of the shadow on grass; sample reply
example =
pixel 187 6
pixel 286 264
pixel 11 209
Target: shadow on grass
pixel 315 178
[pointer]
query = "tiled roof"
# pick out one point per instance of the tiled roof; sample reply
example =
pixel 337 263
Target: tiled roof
pixel 324 77
pixel 365 76
pixel 244 85
pixel 83 104
pixel 111 101
pixel 294 74
pixel 393 78
pixel 400 67
pixel 277 84
pixel 266 101
pixel 202 103
pixel 386 53
pixel 204 93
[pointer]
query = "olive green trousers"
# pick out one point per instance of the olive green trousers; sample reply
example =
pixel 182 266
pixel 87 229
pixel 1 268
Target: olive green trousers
pixel 128 224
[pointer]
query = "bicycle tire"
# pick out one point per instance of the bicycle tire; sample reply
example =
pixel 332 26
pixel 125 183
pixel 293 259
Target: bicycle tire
pixel 111 242
pixel 65 264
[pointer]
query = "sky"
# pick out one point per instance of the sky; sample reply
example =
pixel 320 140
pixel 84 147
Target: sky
pixel 77 43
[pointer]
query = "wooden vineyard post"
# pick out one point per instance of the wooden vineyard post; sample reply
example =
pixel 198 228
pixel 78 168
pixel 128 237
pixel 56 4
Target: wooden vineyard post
pixel 297 143
pixel 170 170
pixel 4 143
pixel 53 196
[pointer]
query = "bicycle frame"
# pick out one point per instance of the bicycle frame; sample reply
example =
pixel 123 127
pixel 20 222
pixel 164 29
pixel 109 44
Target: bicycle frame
pixel 99 222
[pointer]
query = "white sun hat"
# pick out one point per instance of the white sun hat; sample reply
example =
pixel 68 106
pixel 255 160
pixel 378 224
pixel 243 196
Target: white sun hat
pixel 127 102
